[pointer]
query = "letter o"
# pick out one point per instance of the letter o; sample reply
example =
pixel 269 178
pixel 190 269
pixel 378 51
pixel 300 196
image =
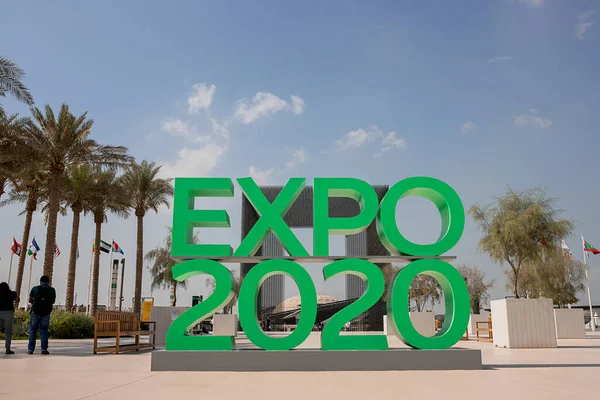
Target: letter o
pixel 442 196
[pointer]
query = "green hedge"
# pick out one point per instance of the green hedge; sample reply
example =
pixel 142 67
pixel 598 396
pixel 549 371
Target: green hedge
pixel 63 325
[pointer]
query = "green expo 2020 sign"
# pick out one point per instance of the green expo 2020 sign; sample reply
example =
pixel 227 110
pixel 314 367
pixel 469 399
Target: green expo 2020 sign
pixel 200 259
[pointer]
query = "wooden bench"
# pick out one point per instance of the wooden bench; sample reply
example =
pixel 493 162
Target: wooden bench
pixel 438 327
pixel 484 326
pixel 121 324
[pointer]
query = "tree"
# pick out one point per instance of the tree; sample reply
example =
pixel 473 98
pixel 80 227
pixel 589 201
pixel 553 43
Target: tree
pixel 28 188
pixel 146 192
pixel 107 196
pixel 556 276
pixel 78 190
pixel 389 273
pixel 59 143
pixel 11 127
pixel 237 284
pixel 518 226
pixel 478 287
pixel 161 269
pixel 424 289
pixel 10 82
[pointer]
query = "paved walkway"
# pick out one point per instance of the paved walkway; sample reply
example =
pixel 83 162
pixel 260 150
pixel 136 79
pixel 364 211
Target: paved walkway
pixel 72 372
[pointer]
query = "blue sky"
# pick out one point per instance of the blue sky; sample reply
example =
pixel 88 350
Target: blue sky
pixel 479 94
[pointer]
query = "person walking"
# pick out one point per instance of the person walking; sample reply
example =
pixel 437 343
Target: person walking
pixel 7 313
pixel 42 298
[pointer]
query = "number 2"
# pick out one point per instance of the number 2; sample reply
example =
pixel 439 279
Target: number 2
pixel 374 287
pixel 223 293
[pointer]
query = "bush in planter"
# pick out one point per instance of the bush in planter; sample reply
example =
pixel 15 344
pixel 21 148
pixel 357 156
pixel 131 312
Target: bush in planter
pixel 82 326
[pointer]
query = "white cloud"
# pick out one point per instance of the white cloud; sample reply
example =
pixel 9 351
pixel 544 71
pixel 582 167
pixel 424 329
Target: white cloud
pixel 220 129
pixel 586 20
pixel 467 126
pixel 498 59
pixel 201 97
pixel 390 142
pixel 532 119
pixel 180 128
pixel 194 162
pixel 358 137
pixel 299 156
pixel 297 105
pixel 261 177
pixel 265 104
pixel 533 3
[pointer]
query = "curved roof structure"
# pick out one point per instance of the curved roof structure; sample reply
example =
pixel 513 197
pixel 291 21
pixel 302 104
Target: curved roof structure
pixel 293 303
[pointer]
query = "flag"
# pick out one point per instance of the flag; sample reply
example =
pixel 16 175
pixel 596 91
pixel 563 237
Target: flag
pixel 566 248
pixel 116 248
pixel 16 247
pixel 104 246
pixel 56 251
pixel 588 248
pixel 33 249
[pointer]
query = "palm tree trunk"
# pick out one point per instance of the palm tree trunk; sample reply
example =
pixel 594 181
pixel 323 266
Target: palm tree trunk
pixel 72 260
pixel 53 204
pixel 173 296
pixel 30 207
pixel 139 264
pixel 96 271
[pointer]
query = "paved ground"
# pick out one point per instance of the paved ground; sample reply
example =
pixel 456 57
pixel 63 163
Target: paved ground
pixel 72 372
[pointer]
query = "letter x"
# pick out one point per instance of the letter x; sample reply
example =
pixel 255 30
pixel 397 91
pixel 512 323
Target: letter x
pixel 271 217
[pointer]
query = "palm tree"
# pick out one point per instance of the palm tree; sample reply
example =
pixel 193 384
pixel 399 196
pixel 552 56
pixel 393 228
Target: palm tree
pixel 10 82
pixel 146 192
pixel 28 188
pixel 107 196
pixel 11 127
pixel 237 284
pixel 162 269
pixel 78 190
pixel 61 142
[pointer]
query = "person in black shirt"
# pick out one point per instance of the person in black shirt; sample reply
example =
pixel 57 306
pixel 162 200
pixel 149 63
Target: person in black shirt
pixel 7 313
pixel 42 298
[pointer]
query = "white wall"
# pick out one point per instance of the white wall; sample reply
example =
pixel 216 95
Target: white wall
pixel 523 323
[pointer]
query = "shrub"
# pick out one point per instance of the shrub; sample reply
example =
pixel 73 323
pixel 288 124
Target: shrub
pixel 82 327
pixel 63 325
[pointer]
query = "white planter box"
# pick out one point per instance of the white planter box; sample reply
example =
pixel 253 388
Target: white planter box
pixel 523 323
pixel 569 323
pixel 472 327
pixel 424 323
pixel 163 317
pixel 225 325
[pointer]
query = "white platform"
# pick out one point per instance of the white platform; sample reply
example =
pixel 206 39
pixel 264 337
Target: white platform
pixel 569 323
pixel 424 323
pixel 225 325
pixel 163 317
pixel 523 323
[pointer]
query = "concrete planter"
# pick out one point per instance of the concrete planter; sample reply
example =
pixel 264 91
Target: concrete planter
pixel 424 323
pixel 225 325
pixel 163 317
pixel 472 327
pixel 569 323
pixel 523 323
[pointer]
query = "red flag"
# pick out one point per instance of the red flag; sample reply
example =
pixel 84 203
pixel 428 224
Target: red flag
pixel 16 247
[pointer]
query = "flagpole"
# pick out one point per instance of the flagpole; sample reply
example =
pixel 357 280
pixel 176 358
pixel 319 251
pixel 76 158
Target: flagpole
pixel 587 282
pixel 90 281
pixel 10 266
pixel 109 274
pixel 29 284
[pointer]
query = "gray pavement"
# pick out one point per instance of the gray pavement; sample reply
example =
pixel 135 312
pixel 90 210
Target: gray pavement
pixel 72 372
